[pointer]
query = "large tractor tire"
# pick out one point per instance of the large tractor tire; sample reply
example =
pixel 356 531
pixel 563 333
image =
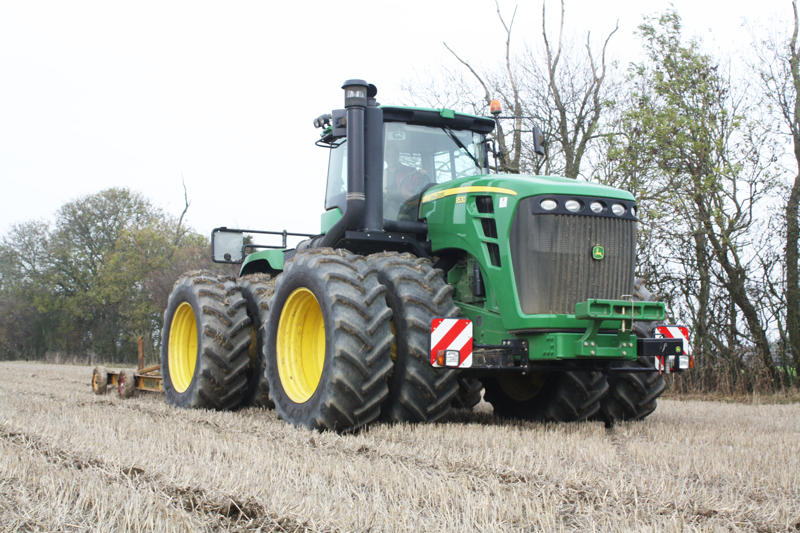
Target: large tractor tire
pixel 328 341
pixel 469 393
pixel 204 343
pixel 257 291
pixel 416 293
pixel 577 395
pixel 632 395
pixel 518 396
pixel 569 396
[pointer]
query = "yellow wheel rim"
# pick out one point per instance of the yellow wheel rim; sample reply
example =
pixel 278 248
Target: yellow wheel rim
pixel 522 388
pixel 182 348
pixel 300 345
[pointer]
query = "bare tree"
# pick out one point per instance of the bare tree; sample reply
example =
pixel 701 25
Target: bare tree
pixel 578 107
pixel 509 156
pixel 566 95
pixel 180 231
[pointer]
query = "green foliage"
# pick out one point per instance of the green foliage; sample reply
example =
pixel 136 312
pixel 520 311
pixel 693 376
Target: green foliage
pixel 96 281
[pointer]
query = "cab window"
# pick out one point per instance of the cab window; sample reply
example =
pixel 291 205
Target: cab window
pixel 416 157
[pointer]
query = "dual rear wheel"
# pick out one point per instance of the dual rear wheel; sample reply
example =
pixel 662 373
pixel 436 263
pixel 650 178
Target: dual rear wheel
pixel 205 340
pixel 327 341
pixel 336 341
pixel 257 290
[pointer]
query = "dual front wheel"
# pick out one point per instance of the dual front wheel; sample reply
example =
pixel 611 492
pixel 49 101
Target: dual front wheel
pixel 576 395
pixel 327 341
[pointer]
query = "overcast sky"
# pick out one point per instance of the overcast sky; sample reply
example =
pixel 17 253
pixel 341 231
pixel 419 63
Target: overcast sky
pixel 222 94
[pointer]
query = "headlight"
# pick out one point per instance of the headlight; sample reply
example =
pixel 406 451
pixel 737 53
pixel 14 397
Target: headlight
pixel 633 211
pixel 573 205
pixel 548 205
pixel 596 207
pixel 618 209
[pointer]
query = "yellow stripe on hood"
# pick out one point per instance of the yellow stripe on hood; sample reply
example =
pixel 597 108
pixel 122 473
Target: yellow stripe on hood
pixel 463 190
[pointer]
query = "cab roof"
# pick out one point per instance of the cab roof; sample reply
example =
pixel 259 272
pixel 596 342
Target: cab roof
pixel 437 117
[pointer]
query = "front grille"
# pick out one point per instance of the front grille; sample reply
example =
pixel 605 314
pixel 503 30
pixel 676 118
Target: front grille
pixel 552 258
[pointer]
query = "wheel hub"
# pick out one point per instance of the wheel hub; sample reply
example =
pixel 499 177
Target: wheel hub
pixel 182 347
pixel 300 345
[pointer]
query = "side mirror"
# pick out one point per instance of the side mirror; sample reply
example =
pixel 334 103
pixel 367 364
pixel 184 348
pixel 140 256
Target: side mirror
pixel 538 141
pixel 227 246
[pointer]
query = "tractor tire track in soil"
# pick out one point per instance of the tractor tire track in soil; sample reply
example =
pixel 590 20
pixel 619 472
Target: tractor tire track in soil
pixel 225 509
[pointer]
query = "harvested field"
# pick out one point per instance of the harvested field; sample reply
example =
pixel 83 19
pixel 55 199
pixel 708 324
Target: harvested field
pixel 70 460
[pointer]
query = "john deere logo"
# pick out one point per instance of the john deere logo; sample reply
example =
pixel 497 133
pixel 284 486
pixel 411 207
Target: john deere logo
pixel 598 253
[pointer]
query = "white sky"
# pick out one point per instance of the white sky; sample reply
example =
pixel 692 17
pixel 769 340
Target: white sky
pixel 140 94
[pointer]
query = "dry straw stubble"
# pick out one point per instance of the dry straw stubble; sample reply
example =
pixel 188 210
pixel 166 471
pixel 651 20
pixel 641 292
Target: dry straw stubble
pixel 70 460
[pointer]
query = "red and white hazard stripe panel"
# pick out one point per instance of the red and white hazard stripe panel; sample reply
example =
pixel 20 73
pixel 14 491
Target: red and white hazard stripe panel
pixel 674 332
pixel 451 342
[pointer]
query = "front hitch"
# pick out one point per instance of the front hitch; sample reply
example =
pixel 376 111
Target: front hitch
pixel 592 344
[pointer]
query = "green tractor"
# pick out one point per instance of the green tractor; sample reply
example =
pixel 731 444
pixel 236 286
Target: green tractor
pixel 432 279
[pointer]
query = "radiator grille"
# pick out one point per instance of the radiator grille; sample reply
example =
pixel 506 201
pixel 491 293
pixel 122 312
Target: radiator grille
pixel 552 259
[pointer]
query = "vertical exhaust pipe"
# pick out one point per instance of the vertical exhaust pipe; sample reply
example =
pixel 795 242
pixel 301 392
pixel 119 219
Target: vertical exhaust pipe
pixel 355 104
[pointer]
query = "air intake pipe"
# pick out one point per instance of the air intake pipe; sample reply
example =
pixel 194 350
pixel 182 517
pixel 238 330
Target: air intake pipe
pixel 373 164
pixel 355 104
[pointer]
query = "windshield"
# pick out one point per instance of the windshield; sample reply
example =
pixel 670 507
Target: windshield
pixel 416 157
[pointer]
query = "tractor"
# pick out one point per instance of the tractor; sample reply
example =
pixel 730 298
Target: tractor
pixel 433 283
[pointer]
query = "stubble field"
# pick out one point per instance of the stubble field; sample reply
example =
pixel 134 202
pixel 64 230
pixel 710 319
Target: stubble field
pixel 70 460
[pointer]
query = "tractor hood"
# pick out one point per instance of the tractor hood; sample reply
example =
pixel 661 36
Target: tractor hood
pixel 528 234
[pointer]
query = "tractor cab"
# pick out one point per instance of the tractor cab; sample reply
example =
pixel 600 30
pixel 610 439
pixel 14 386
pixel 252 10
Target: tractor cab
pixel 382 160
pixel 415 157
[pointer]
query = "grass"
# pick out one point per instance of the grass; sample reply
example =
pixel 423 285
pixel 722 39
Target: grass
pixel 73 461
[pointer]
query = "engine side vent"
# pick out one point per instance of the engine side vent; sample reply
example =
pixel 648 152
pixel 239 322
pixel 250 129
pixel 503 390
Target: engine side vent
pixel 494 253
pixel 489 228
pixel 484 204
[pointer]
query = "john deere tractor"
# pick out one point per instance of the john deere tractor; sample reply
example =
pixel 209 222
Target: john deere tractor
pixel 432 279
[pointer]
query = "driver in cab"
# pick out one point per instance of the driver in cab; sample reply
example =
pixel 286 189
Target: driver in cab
pixel 402 184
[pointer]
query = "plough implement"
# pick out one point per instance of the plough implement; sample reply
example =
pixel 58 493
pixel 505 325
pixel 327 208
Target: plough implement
pixel 127 382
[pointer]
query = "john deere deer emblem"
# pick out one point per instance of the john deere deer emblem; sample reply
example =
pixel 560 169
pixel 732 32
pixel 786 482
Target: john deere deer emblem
pixel 598 253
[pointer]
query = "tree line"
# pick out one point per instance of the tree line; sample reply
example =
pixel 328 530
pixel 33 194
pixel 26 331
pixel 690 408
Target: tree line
pixel 86 287
pixel 713 159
